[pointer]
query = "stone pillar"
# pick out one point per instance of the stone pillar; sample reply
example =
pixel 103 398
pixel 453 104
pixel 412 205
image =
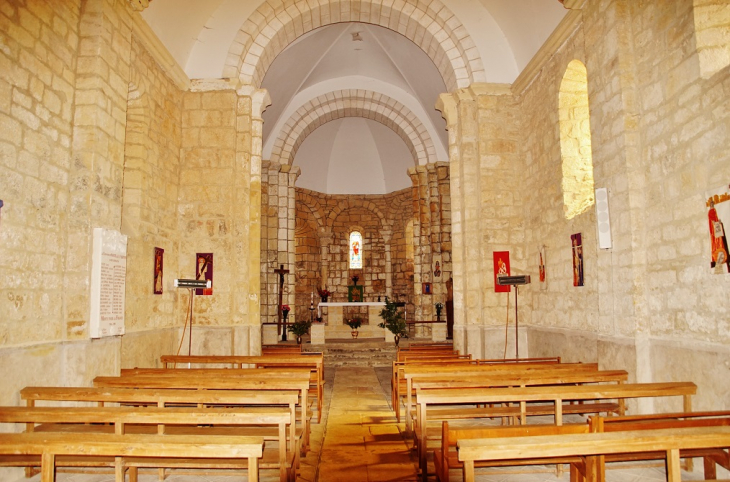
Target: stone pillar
pixel 277 237
pixel 249 144
pixel 485 197
pixel 97 171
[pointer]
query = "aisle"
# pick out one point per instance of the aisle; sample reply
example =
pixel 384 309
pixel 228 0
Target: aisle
pixel 362 441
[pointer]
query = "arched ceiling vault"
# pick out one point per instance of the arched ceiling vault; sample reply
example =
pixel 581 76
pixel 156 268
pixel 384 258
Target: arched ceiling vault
pixel 357 103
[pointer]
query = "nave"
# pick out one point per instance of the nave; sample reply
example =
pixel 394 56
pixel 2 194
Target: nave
pixel 359 440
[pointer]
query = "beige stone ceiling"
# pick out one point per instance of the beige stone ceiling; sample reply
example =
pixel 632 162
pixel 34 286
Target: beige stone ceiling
pixel 323 64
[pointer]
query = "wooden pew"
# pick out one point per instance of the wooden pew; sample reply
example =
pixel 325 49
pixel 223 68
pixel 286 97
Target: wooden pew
pixel 279 349
pixel 208 422
pixel 157 450
pixel 669 441
pixel 446 456
pixel 711 456
pixel 505 369
pixel 288 399
pixel 202 382
pixel 313 361
pixel 552 398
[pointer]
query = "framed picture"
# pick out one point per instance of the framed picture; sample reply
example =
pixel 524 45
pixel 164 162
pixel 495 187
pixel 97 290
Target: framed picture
pixel 157 272
pixel 354 294
pixel 427 289
pixel 576 241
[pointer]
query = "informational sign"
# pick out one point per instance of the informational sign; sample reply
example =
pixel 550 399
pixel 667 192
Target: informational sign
pixel 108 283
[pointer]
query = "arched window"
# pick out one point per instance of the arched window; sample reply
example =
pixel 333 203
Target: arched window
pixel 712 20
pixel 355 250
pixel 575 141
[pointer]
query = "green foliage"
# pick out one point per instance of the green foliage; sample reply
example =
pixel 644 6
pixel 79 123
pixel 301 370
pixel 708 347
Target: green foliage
pixel 299 328
pixel 393 318
pixel 354 323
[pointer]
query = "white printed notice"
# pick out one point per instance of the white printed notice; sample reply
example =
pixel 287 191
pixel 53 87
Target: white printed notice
pixel 108 282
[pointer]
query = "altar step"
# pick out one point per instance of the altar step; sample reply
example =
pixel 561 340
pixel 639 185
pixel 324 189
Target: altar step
pixel 356 352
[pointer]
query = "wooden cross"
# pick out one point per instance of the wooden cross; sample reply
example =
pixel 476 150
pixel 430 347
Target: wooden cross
pixel 281 272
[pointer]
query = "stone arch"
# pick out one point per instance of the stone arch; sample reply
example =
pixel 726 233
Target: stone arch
pixel 430 25
pixel 354 103
pixel 575 140
pixel 362 203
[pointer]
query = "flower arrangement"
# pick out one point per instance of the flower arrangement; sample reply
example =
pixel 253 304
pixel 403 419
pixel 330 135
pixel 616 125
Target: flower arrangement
pixel 439 306
pixel 355 279
pixel 323 292
pixel 300 328
pixel 354 323
pixel 285 308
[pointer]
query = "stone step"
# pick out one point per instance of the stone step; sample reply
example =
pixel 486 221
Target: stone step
pixel 356 352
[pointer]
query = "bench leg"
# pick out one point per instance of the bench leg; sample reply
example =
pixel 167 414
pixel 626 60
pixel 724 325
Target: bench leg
pixel 674 470
pixel 48 467
pixel 468 471
pixel 253 469
pixel 119 469
pixel 710 468
pixel 576 474
pixel 133 474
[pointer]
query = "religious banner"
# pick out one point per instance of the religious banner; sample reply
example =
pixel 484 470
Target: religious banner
pixel 354 293
pixel 718 216
pixel 204 270
pixel 501 268
pixel 541 267
pixel 576 241
pixel 157 271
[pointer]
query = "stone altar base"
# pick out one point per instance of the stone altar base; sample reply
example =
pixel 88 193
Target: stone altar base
pixel 365 331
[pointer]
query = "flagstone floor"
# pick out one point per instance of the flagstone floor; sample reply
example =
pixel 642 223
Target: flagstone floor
pixel 358 440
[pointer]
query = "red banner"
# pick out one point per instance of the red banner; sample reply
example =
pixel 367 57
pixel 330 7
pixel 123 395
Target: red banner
pixel 501 267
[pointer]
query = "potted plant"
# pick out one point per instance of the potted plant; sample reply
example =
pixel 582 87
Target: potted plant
pixel 299 329
pixel 354 324
pixel 393 320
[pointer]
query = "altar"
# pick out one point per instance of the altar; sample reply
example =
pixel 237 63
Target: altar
pixel 335 327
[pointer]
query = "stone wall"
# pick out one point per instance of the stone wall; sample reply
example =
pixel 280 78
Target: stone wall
pixel 659 143
pixel 382 220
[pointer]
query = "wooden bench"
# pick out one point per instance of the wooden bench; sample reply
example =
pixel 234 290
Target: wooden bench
pixel 505 369
pixel 209 422
pixel 446 457
pixel 203 382
pixel 313 361
pixel 552 398
pixel 150 450
pixel 669 441
pixel 287 399
pixel 711 456
pixel 514 379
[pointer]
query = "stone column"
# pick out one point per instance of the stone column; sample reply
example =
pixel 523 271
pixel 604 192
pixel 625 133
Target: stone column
pixel 97 171
pixel 249 128
pixel 485 198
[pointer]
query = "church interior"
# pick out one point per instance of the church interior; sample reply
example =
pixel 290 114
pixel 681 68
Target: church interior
pixel 581 148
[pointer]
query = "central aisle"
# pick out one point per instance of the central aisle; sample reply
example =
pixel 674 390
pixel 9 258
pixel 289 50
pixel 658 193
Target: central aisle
pixel 362 441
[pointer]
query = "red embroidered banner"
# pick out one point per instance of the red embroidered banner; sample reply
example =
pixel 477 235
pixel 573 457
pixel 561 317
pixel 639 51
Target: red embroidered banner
pixel 501 267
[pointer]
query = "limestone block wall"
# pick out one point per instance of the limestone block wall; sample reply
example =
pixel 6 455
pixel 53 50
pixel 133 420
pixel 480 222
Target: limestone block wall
pixel 487 209
pixel 381 219
pixel 150 197
pixel 431 238
pixel 659 143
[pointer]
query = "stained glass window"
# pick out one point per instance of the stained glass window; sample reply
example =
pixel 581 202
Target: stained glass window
pixel 355 250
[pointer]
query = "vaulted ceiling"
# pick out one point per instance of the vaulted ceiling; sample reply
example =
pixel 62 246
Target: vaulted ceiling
pixel 353 84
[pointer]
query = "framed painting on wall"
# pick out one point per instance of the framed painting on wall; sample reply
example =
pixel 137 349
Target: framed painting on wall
pixel 427 289
pixel 204 270
pixel 157 272
pixel 718 217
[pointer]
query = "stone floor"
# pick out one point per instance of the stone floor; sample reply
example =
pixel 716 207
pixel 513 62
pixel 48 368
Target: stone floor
pixel 359 440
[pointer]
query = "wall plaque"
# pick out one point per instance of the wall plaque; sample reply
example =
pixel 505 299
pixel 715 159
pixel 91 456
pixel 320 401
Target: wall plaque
pixel 108 283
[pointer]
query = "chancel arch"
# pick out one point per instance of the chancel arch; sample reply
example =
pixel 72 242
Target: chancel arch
pixel 430 25
pixel 354 103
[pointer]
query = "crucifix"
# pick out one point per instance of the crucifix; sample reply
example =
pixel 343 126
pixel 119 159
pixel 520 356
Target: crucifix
pixel 281 272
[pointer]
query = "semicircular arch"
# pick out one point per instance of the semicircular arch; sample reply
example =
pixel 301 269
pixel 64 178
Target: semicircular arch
pixel 430 25
pixel 368 105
